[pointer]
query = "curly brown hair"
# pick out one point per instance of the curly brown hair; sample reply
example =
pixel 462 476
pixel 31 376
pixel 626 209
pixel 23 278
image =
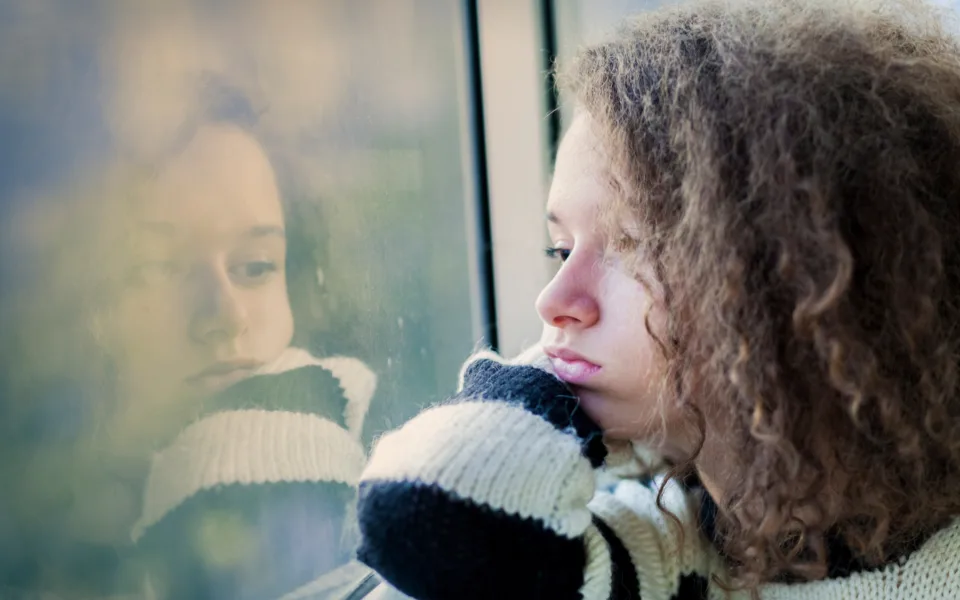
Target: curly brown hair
pixel 794 170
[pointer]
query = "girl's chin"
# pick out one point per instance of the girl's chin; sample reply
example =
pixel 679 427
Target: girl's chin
pixel 597 408
pixel 608 414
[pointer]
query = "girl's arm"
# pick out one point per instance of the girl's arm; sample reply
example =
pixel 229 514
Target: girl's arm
pixel 492 495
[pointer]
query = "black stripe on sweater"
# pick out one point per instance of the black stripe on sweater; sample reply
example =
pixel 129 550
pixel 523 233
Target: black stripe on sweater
pixel 624 584
pixel 692 587
pixel 432 545
pixel 309 390
pixel 540 393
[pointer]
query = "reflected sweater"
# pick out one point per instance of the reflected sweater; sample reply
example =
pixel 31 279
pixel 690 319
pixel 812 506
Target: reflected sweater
pixel 494 495
pixel 255 498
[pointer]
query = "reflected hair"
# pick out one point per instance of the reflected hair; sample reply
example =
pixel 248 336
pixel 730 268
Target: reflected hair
pixel 790 168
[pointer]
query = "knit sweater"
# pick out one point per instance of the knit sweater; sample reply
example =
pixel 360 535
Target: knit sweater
pixel 255 497
pixel 494 495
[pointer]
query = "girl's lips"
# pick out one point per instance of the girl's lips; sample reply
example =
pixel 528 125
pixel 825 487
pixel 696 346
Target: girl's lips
pixel 571 367
pixel 217 382
pixel 222 375
pixel 574 371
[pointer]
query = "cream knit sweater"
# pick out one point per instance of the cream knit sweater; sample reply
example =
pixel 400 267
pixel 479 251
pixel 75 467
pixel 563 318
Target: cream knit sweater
pixel 494 495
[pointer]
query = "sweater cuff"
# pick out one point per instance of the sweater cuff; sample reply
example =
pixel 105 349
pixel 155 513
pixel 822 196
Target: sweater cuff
pixel 538 392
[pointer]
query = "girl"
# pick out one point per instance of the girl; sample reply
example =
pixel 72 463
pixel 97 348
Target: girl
pixel 228 455
pixel 757 213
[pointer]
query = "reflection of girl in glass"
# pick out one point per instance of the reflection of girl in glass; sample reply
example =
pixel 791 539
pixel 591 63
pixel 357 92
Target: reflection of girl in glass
pixel 246 448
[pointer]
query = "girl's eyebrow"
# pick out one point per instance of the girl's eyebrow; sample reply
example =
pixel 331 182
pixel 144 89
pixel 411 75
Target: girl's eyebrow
pixel 553 218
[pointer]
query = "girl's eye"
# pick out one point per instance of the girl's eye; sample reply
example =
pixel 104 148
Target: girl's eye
pixel 254 272
pixel 561 254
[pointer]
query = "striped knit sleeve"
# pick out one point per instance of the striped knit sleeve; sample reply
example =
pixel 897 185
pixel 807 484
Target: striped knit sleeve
pixel 254 499
pixel 492 495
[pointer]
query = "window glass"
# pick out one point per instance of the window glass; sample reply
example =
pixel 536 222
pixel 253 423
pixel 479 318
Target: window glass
pixel 220 207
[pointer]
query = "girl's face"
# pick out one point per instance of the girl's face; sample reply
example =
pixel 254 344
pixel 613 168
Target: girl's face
pixel 594 310
pixel 204 301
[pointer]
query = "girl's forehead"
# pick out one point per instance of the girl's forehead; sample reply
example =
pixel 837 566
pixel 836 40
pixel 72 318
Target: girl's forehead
pixel 581 177
pixel 221 176
pixel 581 147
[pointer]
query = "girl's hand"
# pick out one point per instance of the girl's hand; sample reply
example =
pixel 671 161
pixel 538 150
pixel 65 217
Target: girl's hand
pixel 486 496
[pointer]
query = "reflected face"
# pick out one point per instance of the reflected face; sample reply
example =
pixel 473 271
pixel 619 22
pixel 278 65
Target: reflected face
pixel 204 298
pixel 594 310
